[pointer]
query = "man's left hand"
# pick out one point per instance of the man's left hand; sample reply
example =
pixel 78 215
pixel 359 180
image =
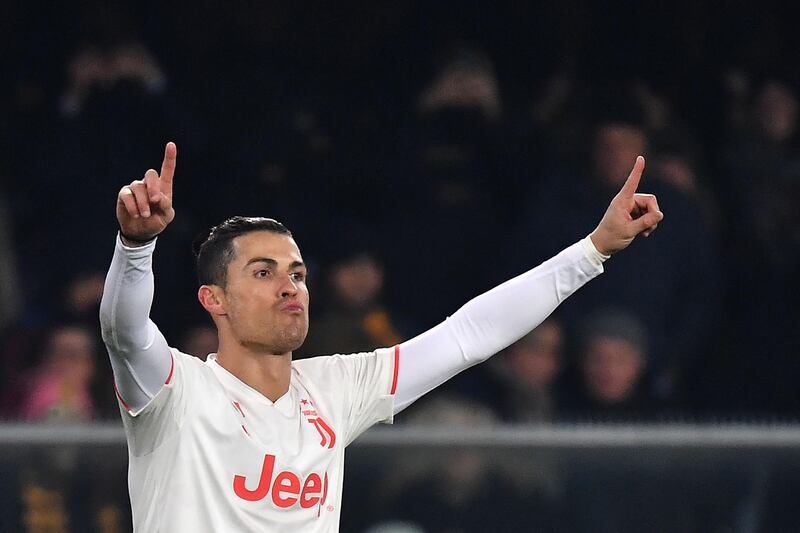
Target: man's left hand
pixel 628 215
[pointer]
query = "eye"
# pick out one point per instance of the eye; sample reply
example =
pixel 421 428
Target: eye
pixel 298 276
pixel 263 273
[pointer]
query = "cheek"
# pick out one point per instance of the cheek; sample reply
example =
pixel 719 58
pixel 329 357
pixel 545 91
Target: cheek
pixel 244 309
pixel 303 295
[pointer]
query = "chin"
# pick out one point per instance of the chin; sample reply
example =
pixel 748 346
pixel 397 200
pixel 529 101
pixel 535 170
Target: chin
pixel 291 340
pixel 281 342
pixel 296 343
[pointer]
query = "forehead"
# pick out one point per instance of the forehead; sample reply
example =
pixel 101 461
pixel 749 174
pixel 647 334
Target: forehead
pixel 265 244
pixel 613 346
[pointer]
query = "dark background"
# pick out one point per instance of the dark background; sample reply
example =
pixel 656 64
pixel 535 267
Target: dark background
pixel 309 112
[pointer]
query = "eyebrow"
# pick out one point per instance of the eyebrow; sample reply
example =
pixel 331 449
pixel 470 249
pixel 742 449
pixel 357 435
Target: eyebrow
pixel 273 263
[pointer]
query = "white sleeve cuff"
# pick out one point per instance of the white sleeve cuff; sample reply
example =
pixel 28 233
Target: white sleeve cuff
pixel 591 252
pixel 136 251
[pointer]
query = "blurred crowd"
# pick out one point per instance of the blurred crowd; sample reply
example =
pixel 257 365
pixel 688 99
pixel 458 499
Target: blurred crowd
pixel 418 162
pixel 420 154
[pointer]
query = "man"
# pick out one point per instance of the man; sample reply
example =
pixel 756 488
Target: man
pixel 613 357
pixel 250 440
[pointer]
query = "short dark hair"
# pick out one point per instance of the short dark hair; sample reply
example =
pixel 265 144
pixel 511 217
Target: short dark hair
pixel 617 324
pixel 214 248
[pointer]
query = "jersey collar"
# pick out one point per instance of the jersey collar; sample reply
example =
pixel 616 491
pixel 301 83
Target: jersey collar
pixel 284 404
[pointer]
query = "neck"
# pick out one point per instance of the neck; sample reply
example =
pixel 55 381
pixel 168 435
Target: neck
pixel 266 372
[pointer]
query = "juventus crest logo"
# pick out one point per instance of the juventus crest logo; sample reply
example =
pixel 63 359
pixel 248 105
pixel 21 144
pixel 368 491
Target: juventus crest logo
pixel 325 431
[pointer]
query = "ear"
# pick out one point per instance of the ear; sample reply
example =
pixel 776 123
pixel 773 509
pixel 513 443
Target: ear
pixel 212 298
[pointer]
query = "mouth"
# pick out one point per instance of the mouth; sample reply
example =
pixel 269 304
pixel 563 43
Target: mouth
pixel 293 307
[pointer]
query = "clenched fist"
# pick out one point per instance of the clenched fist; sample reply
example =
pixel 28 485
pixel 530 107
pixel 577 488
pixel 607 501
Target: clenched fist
pixel 144 208
pixel 628 215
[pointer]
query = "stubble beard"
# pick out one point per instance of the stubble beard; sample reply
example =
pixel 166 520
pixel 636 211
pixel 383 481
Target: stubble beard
pixel 283 340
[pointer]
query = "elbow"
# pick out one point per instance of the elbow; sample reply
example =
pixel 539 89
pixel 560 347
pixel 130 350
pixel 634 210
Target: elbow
pixel 106 321
pixel 107 333
pixel 117 336
pixel 121 334
pixel 477 339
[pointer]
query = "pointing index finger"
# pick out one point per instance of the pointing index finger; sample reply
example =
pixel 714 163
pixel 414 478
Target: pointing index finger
pixel 632 183
pixel 168 168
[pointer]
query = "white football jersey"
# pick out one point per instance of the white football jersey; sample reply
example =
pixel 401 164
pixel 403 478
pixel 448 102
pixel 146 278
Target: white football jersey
pixel 210 454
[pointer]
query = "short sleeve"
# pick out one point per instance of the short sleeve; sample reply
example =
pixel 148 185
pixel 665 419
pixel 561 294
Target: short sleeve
pixel 162 417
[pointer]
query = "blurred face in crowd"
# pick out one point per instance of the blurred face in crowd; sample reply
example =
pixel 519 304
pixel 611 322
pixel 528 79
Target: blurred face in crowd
pixel 92 66
pixel 462 470
pixel 678 171
pixel 776 111
pixel 463 87
pixel 536 358
pixel 611 369
pixel 358 281
pixel 201 341
pixel 85 293
pixel 70 355
pixel 615 148
pixel 264 304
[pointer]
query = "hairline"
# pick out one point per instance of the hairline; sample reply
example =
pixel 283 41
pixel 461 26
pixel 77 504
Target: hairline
pixel 217 249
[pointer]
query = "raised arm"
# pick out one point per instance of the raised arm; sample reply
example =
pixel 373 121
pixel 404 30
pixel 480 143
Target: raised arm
pixel 499 317
pixel 139 353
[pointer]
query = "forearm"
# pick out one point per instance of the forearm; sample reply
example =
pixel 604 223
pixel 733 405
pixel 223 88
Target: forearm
pixel 492 321
pixel 139 353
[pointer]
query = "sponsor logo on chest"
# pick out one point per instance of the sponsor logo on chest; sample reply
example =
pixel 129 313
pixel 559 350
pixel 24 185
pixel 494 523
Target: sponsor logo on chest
pixel 285 488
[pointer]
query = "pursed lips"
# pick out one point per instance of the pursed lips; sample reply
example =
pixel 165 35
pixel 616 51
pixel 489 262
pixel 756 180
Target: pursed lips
pixel 293 307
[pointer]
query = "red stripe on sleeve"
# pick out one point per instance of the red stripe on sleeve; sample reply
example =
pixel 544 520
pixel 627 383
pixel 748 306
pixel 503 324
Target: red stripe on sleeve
pixel 171 368
pixel 119 397
pixel 169 378
pixel 396 368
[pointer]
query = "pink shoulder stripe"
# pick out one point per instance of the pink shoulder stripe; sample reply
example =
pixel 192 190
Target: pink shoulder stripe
pixel 171 368
pixel 396 367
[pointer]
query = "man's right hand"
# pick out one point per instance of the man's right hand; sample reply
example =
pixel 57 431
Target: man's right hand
pixel 144 208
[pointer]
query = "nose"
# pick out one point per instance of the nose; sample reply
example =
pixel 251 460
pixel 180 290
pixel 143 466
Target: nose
pixel 288 288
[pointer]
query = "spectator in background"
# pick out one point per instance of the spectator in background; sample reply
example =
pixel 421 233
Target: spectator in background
pixel 24 350
pixel 612 361
pixel 353 320
pixel 452 187
pixel 612 496
pixel 678 160
pixel 93 70
pixel 762 165
pixel 678 311
pixel 461 491
pixel 115 101
pixel 80 305
pixel 763 162
pixel 62 490
pixel 466 80
pixel 200 341
pixel 526 373
pixel 523 390
pixel 59 389
pixel 80 301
